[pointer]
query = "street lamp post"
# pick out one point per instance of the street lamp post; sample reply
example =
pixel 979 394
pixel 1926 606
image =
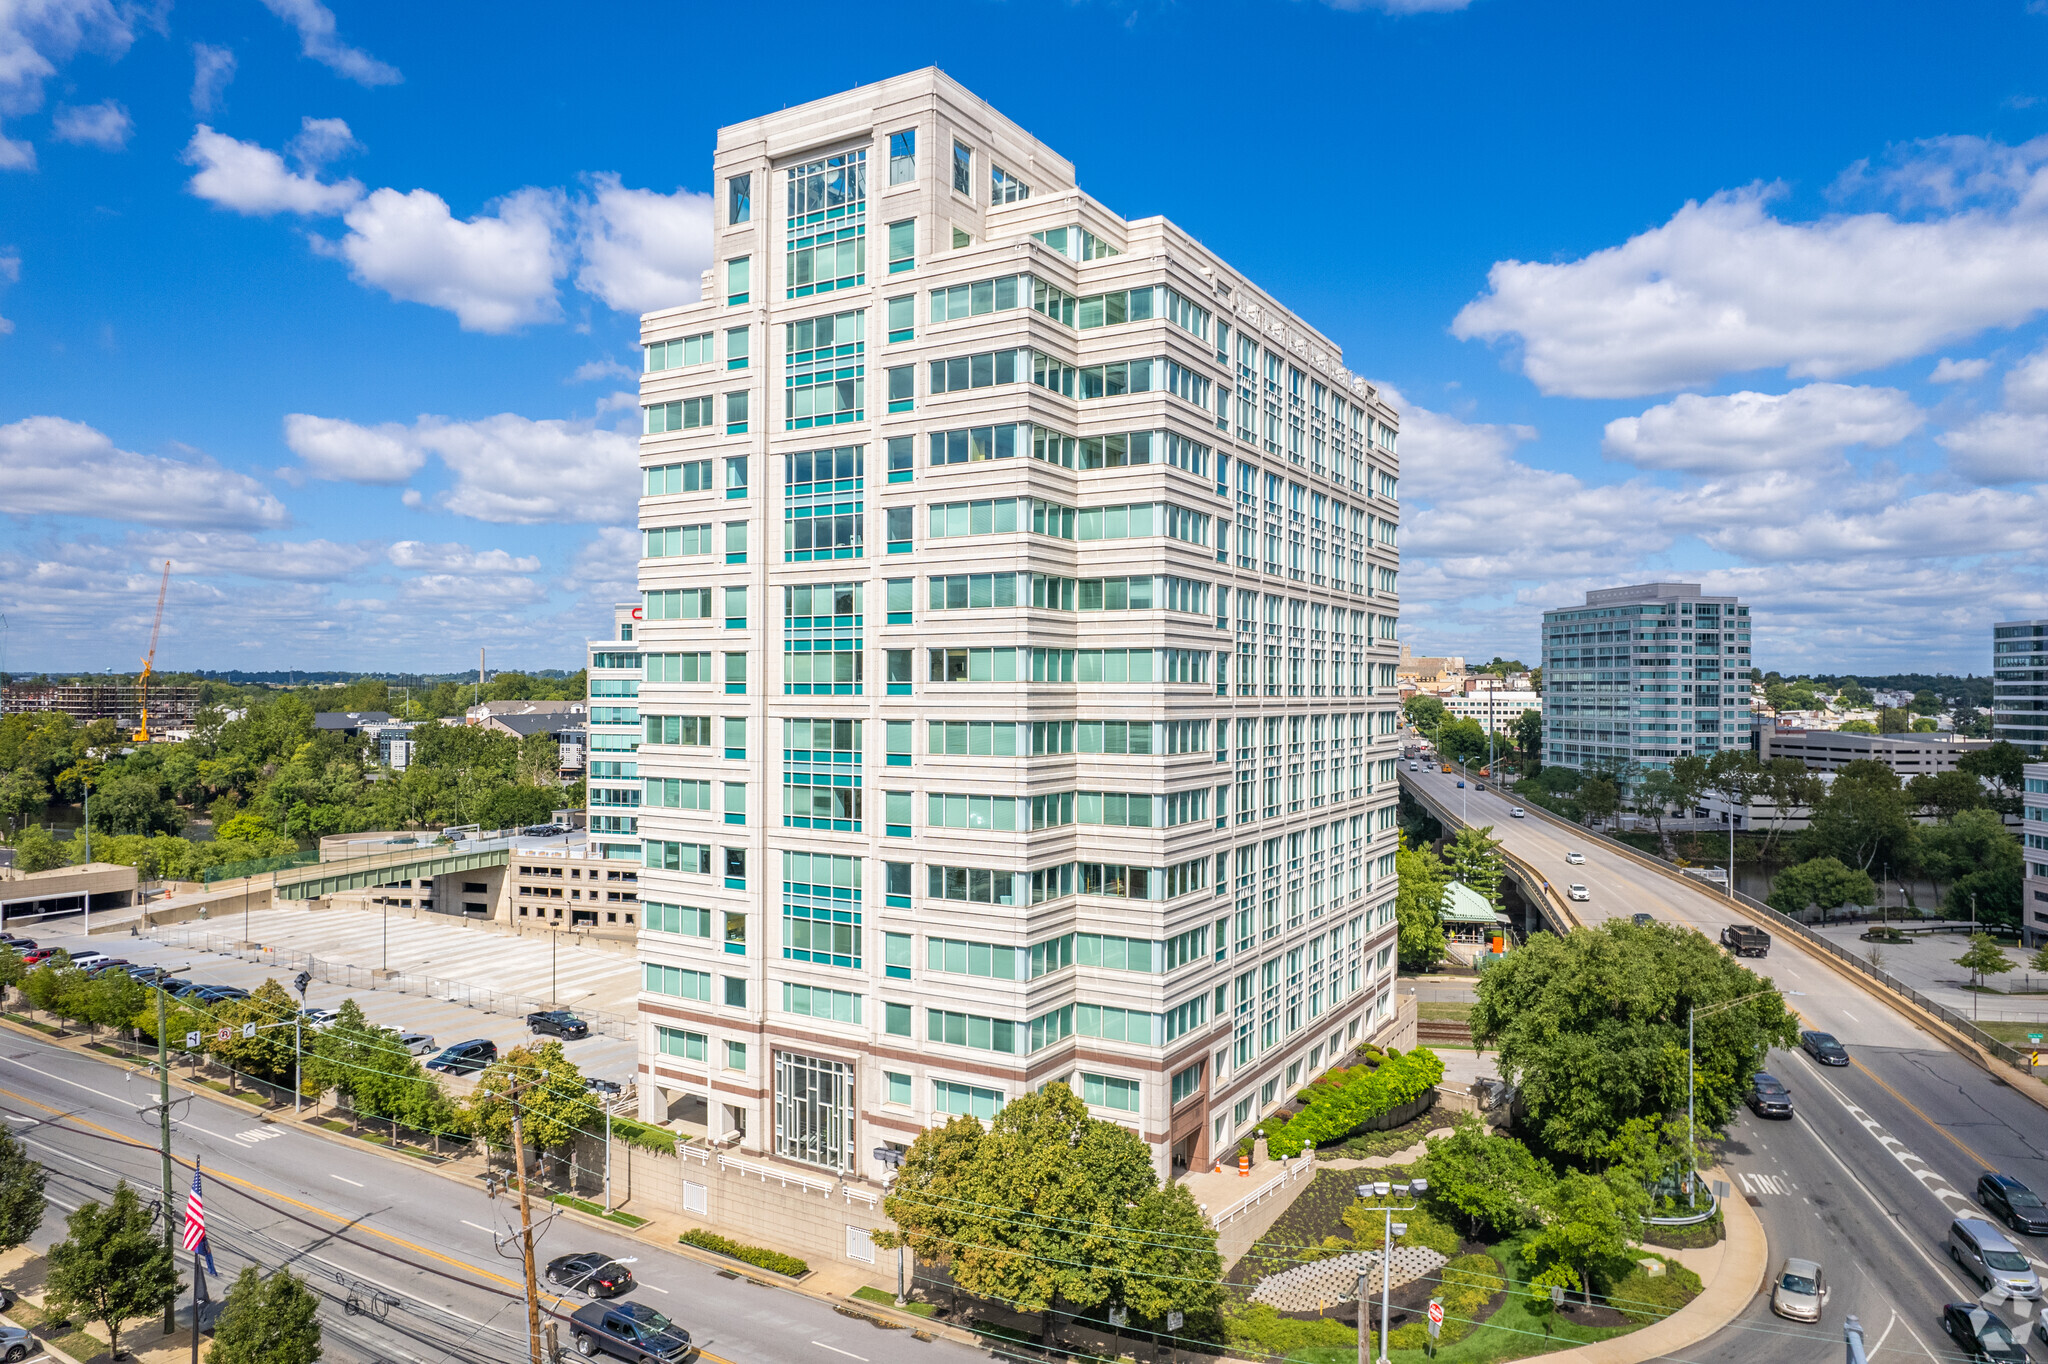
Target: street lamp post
pixel 1382 1190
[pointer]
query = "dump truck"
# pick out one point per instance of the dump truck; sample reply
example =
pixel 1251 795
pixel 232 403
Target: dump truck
pixel 1746 940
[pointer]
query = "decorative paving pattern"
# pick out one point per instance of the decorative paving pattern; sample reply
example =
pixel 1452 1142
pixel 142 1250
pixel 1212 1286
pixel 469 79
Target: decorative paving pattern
pixel 1312 1287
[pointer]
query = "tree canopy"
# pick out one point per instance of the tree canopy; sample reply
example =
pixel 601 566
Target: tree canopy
pixel 1418 905
pixel 1823 882
pixel 1592 1025
pixel 1047 1206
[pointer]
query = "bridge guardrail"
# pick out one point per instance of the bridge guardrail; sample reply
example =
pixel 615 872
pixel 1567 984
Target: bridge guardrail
pixel 1770 918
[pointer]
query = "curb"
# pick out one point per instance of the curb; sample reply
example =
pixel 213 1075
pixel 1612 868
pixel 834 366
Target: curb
pixel 1744 1261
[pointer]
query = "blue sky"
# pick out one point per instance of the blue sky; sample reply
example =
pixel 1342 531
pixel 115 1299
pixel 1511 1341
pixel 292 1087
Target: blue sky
pixel 336 307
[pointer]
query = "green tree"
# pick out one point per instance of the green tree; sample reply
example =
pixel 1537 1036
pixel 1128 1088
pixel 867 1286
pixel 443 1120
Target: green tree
pixel 1493 1181
pixel 334 1059
pixel 1654 795
pixel 1592 1025
pixel 21 1193
pixel 1982 863
pixel 1474 857
pixel 555 1108
pixel 1945 794
pixel 1854 694
pixel 1050 1206
pixel 1926 703
pixel 268 1054
pixel 112 999
pixel 1418 905
pixel 270 1320
pixel 1528 730
pixel 1788 786
pixel 1856 727
pixel 133 802
pixel 1599 797
pixel 1587 1224
pixel 1983 958
pixel 1862 820
pixel 37 849
pixel 1424 713
pixel 1821 881
pixel 22 790
pixel 2039 961
pixel 1689 779
pixel 110 1267
pixel 2000 767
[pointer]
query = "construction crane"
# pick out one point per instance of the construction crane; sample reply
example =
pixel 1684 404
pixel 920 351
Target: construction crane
pixel 149 660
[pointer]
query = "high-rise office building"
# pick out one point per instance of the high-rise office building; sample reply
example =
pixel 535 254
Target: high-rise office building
pixel 2019 684
pixel 1018 644
pixel 612 778
pixel 1637 676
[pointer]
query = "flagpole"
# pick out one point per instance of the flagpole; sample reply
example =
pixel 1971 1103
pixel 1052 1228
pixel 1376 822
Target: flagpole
pixel 198 1274
pixel 163 1075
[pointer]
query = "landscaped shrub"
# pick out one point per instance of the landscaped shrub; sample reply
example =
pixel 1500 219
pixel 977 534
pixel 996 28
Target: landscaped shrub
pixel 657 1139
pixel 1260 1328
pixel 759 1256
pixel 1642 1298
pixel 1345 1099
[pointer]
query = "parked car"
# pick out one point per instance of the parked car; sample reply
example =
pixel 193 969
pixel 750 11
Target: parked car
pixel 1823 1047
pixel 2018 1206
pixel 39 955
pixel 319 1018
pixel 19 944
pixel 1980 1334
pixel 1575 859
pixel 464 1057
pixel 1746 940
pixel 418 1043
pixel 1800 1290
pixel 151 975
pixel 1993 1261
pixel 1578 892
pixel 1768 1097
pixel 592 1272
pixel 88 959
pixel 105 964
pixel 628 1330
pixel 557 1022
pixel 17 1343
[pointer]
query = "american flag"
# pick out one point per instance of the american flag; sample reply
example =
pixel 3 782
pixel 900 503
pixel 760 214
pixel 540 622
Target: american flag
pixel 195 1221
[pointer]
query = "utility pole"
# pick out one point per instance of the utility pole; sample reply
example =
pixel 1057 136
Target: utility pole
pixel 163 1113
pixel 515 1094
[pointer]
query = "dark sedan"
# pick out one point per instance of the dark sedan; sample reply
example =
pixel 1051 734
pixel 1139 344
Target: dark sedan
pixel 557 1022
pixel 628 1330
pixel 1768 1097
pixel 592 1272
pixel 2013 1203
pixel 1823 1047
pixel 1980 1334
pixel 464 1057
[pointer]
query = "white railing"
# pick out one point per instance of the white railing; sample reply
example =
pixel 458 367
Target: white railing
pixel 854 1195
pixel 1290 1170
pixel 787 1178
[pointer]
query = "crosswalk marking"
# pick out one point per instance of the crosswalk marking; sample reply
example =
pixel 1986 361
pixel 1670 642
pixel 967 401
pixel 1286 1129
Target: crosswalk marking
pixel 256 1134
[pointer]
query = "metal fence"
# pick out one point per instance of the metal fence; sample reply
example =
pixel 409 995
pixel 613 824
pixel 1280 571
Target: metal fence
pixel 353 977
pixel 1784 923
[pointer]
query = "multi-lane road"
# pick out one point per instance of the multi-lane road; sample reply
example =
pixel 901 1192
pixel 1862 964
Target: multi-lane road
pixel 1879 1157
pixel 428 1261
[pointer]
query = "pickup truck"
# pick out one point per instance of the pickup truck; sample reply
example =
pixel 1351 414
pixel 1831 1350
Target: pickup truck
pixel 1746 940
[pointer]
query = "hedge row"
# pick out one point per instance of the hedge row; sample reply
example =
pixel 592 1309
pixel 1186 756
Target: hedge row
pixel 759 1256
pixel 1337 1106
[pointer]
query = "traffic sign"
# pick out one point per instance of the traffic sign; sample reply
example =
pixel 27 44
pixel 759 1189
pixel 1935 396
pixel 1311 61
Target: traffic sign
pixel 1174 1320
pixel 1436 1317
pixel 2034 1037
pixel 1119 1317
pixel 191 1041
pixel 248 1031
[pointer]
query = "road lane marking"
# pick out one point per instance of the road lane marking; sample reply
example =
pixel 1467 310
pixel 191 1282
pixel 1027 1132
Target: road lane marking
pixel 485 1230
pixel 1876 1202
pixel 657 1288
pixel 837 1351
pixel 1851 1017
pixel 1953 1139
pixel 346 1180
pixel 110 1098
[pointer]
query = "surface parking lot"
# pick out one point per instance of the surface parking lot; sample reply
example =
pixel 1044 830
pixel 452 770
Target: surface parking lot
pixel 581 979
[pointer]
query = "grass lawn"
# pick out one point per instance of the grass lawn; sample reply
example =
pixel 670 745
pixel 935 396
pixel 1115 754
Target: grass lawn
pixel 1510 1333
pixel 1443 1010
pixel 2014 1034
pixel 876 1295
pixel 624 1219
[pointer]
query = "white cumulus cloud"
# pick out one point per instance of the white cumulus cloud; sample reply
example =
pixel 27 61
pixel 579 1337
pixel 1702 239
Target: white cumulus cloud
pixel 2026 384
pixel 254 180
pixel 212 69
pixel 105 125
pixel 458 558
pixel 343 452
pixel 1725 287
pixel 1999 447
pixel 642 251
pixel 318 39
pixel 37 35
pixel 60 467
pixel 1735 432
pixel 1947 371
pixel 496 273
pixel 196 553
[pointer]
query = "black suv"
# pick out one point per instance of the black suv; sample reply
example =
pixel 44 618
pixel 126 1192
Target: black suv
pixel 1823 1047
pixel 1981 1334
pixel 1768 1097
pixel 560 1022
pixel 629 1330
pixel 464 1057
pixel 2013 1203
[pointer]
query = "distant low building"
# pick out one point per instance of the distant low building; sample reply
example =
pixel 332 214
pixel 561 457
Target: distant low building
pixel 1502 708
pixel 347 721
pixel 570 733
pixel 1427 673
pixel 1827 750
pixel 492 710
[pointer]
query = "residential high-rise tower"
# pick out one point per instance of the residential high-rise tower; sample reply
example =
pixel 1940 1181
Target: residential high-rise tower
pixel 1018 638
pixel 2019 684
